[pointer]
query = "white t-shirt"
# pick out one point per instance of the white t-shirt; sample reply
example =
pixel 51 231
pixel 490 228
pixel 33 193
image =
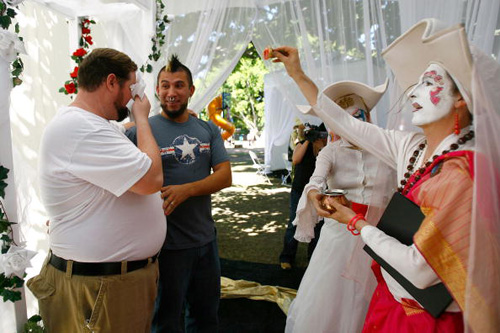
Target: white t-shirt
pixel 86 168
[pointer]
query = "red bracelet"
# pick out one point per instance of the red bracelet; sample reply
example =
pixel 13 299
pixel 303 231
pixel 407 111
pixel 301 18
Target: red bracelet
pixel 351 226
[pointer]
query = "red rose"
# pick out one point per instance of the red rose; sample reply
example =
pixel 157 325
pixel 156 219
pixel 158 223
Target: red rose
pixel 70 88
pixel 75 73
pixel 85 31
pixel 267 54
pixel 80 52
pixel 88 39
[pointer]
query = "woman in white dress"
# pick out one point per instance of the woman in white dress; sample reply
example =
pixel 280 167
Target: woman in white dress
pixel 340 165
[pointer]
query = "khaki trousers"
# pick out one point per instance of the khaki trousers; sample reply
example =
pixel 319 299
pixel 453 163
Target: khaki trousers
pixel 113 303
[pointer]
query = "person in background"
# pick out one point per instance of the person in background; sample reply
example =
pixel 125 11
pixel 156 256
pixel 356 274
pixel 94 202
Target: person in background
pixel 195 165
pixel 101 193
pixel 457 243
pixel 303 160
pixel 326 300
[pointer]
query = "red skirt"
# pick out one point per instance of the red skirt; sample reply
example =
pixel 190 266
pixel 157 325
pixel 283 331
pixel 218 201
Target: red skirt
pixel 385 314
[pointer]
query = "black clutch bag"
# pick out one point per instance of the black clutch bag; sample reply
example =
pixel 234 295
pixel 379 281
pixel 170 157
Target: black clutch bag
pixel 401 220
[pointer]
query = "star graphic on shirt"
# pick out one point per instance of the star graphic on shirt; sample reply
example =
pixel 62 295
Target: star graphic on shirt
pixel 187 149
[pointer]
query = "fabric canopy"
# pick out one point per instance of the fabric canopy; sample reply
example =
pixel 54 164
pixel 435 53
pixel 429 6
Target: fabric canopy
pixel 337 39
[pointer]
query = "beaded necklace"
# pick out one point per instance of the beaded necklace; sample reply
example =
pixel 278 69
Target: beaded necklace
pixel 405 187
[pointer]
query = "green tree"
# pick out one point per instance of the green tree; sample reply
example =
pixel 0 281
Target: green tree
pixel 246 86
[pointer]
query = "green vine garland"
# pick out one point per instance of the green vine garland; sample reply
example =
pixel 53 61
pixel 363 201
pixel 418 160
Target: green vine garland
pixel 158 40
pixel 10 284
pixel 6 16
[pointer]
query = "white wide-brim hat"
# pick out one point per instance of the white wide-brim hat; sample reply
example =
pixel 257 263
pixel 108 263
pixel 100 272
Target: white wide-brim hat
pixel 428 42
pixel 370 95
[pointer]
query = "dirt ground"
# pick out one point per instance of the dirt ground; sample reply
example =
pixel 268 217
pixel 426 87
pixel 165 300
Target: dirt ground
pixel 251 215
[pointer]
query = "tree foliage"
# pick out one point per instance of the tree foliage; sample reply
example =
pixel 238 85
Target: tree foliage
pixel 246 86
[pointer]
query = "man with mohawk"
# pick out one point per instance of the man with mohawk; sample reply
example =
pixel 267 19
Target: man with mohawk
pixel 189 262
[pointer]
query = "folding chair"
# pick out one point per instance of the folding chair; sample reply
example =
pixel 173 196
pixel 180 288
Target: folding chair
pixel 261 168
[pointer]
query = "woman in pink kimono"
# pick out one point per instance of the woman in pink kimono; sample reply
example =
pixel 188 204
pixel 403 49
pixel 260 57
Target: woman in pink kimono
pixel 450 170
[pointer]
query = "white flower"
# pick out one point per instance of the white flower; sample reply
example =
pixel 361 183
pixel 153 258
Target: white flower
pixel 15 261
pixel 14 3
pixel 10 45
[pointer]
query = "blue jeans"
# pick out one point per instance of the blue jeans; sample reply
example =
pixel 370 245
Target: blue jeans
pixel 290 244
pixel 189 290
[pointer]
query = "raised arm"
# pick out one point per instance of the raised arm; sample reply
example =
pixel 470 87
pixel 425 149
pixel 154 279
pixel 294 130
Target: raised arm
pixel 152 181
pixel 384 144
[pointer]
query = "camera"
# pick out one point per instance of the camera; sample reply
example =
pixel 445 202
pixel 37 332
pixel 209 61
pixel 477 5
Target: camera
pixel 313 132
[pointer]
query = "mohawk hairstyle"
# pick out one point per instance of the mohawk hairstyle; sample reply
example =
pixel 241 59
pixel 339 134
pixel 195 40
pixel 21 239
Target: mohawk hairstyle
pixel 174 65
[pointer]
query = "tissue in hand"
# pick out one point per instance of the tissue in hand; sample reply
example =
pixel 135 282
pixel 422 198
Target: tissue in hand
pixel 139 87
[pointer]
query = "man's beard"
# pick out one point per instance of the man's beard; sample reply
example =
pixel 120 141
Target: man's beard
pixel 123 113
pixel 174 113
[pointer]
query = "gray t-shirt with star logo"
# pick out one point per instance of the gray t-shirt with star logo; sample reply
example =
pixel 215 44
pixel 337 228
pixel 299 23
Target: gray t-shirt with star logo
pixel 189 151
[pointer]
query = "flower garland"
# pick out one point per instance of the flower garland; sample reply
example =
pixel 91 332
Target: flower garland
pixel 9 50
pixel 159 38
pixel 71 85
pixel 10 43
pixel 14 258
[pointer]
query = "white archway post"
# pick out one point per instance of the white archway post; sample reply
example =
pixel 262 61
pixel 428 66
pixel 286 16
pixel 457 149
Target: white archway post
pixel 13 315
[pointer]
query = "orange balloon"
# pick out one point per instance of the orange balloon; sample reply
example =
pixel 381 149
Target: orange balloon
pixel 214 111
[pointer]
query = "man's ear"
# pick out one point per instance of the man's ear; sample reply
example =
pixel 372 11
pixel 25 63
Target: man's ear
pixel 111 81
pixel 191 89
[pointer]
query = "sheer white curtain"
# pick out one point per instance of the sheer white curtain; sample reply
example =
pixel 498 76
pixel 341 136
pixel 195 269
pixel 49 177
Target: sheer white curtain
pixel 127 26
pixel 209 36
pixel 282 117
pixel 337 40
pixel 342 39
pixel 479 16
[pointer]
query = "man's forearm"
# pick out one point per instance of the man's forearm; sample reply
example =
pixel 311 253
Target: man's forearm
pixel 219 179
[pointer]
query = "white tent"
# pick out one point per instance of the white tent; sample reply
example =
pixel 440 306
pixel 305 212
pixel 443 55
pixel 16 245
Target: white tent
pixel 338 39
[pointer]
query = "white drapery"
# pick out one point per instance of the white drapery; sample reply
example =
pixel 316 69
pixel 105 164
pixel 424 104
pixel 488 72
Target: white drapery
pixel 210 36
pixel 337 40
pixel 331 36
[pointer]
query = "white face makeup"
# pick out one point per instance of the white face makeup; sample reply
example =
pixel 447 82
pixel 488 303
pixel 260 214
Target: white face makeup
pixel 432 98
pixel 354 105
